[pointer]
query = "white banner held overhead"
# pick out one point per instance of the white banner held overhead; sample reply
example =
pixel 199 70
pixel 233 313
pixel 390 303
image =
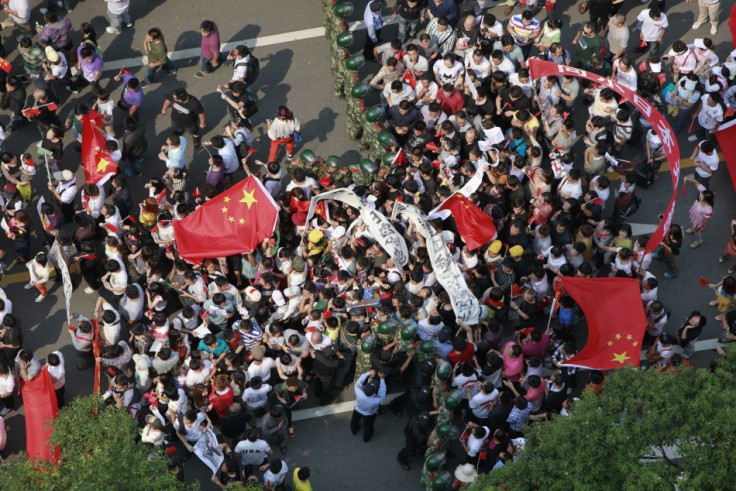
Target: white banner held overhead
pixel 208 450
pixel 378 225
pixel 464 303
pixel 61 268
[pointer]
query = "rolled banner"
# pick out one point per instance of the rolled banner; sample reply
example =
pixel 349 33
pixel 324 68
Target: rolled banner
pixel 464 303
pixel 378 225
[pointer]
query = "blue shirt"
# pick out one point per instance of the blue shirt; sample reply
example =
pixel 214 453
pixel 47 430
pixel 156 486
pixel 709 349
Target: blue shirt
pixel 368 405
pixel 519 417
pixel 217 351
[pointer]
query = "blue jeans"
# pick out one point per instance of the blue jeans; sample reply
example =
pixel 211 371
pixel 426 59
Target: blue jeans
pixel 151 72
pixel 117 20
pixel 207 63
pixel 407 28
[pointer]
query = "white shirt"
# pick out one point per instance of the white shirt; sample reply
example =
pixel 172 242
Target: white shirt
pixel 650 28
pixel 256 398
pixel 67 190
pixel 475 444
pixel 117 7
pixel 59 70
pixel 7 383
pixel 230 161
pixel 194 432
pixel 22 8
pixel 252 453
pixel 448 75
pixel 506 66
pixel 482 70
pixel 58 372
pixel 307 186
pixel 270 479
pixel 407 93
pixel 263 370
pixel 710 161
pixel 709 116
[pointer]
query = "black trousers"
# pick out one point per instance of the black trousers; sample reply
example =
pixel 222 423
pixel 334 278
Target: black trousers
pixel 368 422
pixel 369 45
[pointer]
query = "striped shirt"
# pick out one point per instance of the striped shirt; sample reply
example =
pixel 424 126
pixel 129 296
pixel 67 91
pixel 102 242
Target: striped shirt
pixel 250 339
pixel 522 32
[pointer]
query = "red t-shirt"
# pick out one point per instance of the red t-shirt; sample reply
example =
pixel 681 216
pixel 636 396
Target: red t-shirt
pixel 464 356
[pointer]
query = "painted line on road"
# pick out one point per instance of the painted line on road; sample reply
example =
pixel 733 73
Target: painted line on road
pixel 347 406
pixel 258 42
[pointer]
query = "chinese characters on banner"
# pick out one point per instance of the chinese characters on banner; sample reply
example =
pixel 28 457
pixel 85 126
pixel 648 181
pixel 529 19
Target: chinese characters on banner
pixel 539 69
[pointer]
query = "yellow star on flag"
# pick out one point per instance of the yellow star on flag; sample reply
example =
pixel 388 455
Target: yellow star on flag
pixel 102 165
pixel 227 199
pixel 629 337
pixel 241 221
pixel 224 209
pixel 248 198
pixel 636 343
pixel 620 357
pixel 610 343
pixel 230 219
pixel 618 336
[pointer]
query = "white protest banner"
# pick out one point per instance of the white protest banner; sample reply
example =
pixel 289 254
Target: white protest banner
pixel 208 450
pixel 464 303
pixel 61 268
pixel 378 225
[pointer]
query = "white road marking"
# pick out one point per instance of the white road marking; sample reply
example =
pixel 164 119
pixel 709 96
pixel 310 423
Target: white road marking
pixel 642 228
pixel 259 42
pixel 347 406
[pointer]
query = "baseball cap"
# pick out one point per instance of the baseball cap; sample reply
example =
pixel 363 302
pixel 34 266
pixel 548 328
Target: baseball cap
pixel 258 352
pixel 699 43
pixel 51 54
pixel 278 298
pixel 252 294
pixel 315 236
pixel 64 175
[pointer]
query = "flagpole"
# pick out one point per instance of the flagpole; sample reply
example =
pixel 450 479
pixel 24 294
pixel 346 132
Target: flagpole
pixel 48 170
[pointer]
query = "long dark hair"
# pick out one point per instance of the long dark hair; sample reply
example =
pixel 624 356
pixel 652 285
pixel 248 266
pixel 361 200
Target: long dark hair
pixel 283 112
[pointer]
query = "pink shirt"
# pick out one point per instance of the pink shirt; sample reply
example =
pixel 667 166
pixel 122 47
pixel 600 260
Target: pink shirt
pixel 512 367
pixel 211 43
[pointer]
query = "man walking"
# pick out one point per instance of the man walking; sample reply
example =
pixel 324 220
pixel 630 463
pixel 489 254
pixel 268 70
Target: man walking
pixel 155 48
pixel 370 391
pixel 210 48
pixel 117 11
pixel 187 114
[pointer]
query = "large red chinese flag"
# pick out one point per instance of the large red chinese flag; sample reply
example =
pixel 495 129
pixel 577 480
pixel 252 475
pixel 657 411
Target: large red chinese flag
pixel 726 136
pixel 97 163
pixel 616 321
pixel 475 227
pixel 39 401
pixel 234 221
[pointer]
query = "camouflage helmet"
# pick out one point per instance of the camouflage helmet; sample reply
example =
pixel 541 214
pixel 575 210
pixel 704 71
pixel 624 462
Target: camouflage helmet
pixel 307 157
pixel 344 9
pixel 444 370
pixel 344 39
pixel 354 62
pixel 385 328
pixel 427 347
pixel 440 483
pixel 333 162
pixel 386 139
pixel 434 462
pixel 367 165
pixel 408 332
pixel 445 429
pixel 452 401
pixel 367 345
pixel 388 158
pixel 359 91
pixel 373 114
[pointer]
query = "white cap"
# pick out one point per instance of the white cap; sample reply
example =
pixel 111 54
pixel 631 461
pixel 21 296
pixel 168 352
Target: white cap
pixel 278 298
pixel 252 294
pixel 65 175
pixel 339 232
pixel 448 237
pixel 656 67
pixel 699 43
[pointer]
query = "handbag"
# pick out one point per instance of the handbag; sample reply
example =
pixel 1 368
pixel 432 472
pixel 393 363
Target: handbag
pixel 297 137
pixel 123 105
pixel 583 6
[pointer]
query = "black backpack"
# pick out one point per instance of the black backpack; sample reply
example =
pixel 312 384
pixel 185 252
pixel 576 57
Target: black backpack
pixel 254 69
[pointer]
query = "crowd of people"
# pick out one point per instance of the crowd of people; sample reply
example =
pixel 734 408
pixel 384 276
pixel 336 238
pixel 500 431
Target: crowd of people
pixel 236 344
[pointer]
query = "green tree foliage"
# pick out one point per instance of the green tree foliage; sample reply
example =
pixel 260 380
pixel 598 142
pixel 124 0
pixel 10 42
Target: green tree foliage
pixel 96 453
pixel 647 430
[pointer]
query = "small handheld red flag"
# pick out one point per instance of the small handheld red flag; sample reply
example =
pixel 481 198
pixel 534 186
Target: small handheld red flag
pixel 52 107
pixel 703 281
pixel 196 193
pixel 5 65
pixel 684 189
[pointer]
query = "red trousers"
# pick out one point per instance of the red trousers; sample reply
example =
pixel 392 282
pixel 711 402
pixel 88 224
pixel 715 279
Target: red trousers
pixel 275 144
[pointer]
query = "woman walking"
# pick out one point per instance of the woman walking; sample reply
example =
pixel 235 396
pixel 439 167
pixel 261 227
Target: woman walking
pixel 282 131
pixel 700 212
pixel 725 291
pixel 730 249
pixel 689 332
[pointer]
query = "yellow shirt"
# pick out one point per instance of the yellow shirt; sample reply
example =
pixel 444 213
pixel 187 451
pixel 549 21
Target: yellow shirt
pixel 298 485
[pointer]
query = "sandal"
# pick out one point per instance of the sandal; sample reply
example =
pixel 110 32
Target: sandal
pixel 695 244
pixel 723 258
pixel 732 269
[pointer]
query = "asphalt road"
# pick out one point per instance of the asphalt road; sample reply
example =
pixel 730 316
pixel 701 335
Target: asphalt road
pixel 297 74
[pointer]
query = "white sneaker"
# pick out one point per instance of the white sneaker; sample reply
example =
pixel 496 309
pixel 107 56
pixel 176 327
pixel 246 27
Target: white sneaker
pixel 111 30
pixel 40 298
pixel 697 25
pixel 89 290
pixel 713 30
pixel 692 138
pixel 28 286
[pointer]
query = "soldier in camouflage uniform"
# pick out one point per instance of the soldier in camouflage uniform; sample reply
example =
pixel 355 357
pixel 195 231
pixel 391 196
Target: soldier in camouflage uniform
pixel 363 356
pixel 440 382
pixel 426 351
pixel 371 127
pixel 385 332
pixel 354 123
pixel 307 161
pixel 332 169
pixel 440 439
pixel 431 471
